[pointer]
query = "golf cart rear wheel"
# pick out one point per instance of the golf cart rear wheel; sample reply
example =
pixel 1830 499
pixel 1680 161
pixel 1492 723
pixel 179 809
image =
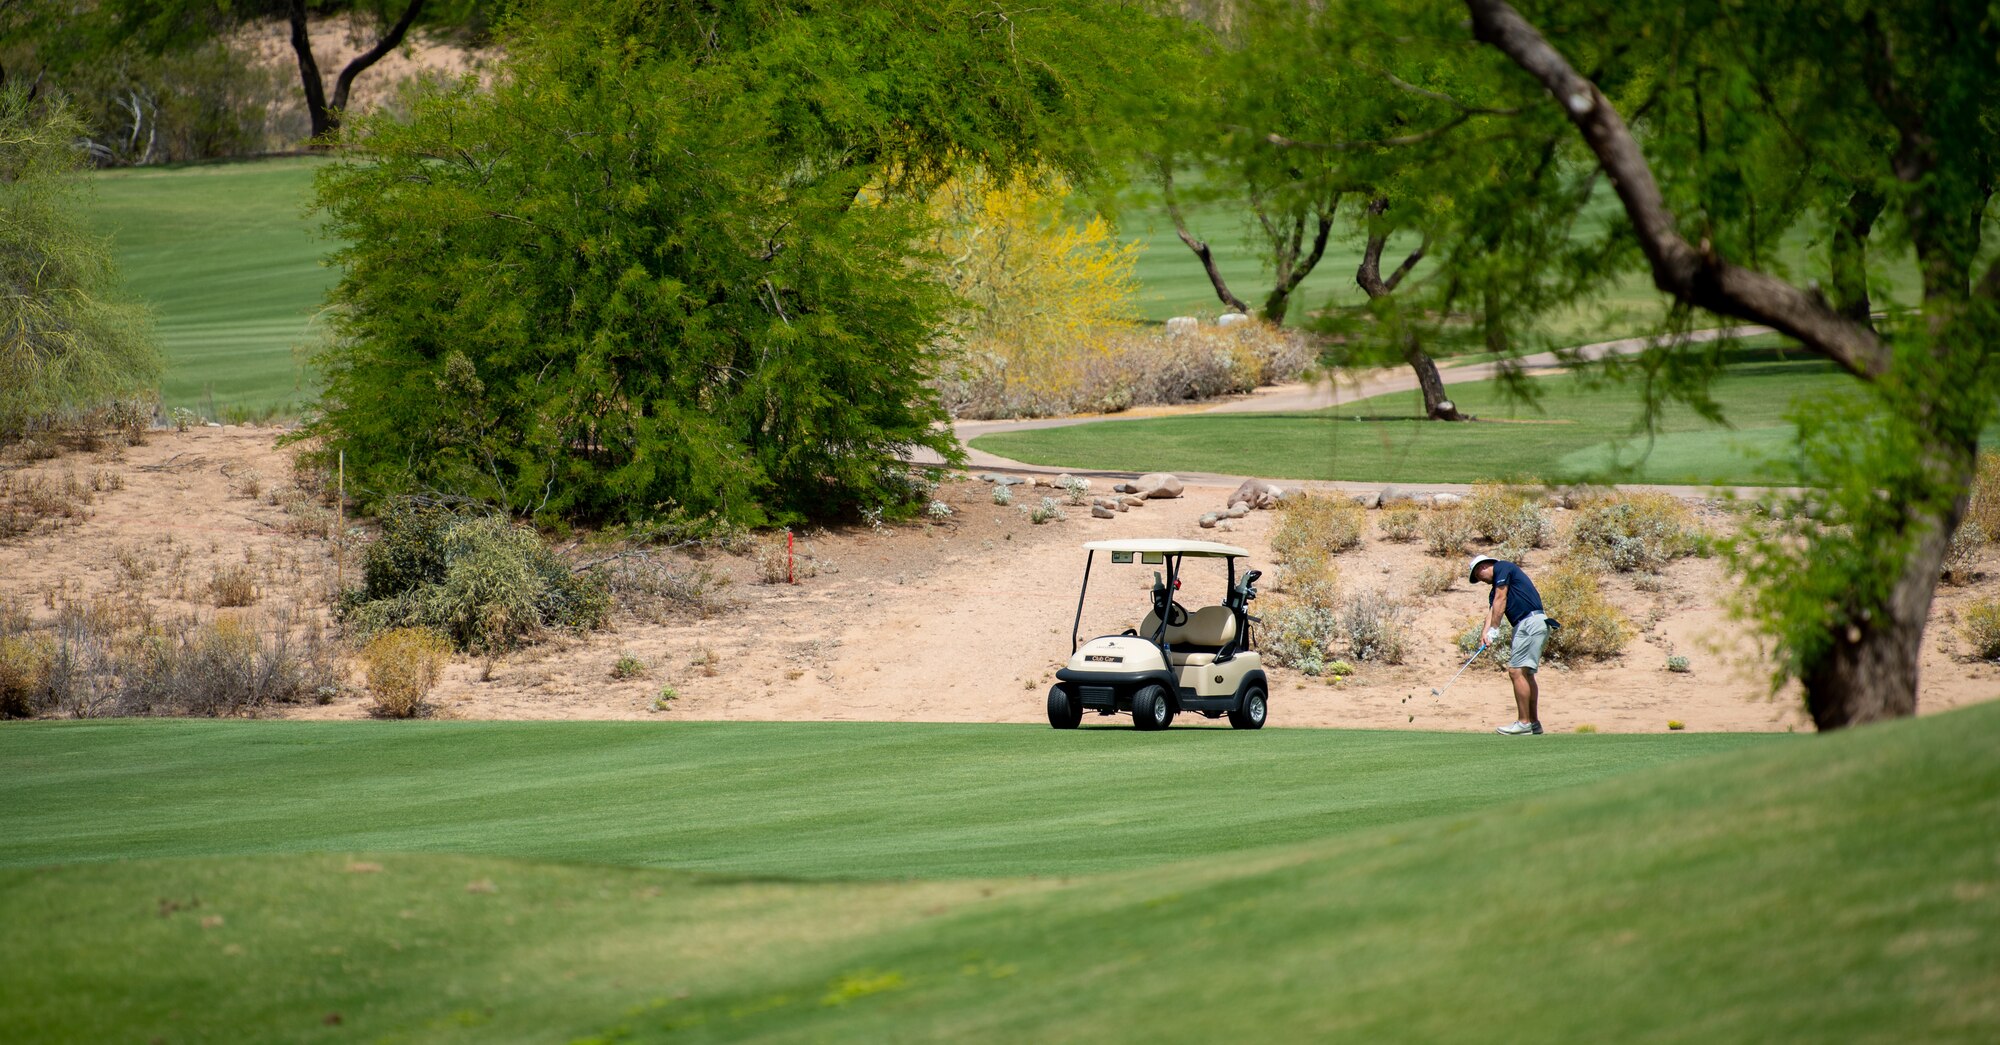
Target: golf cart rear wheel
pixel 1150 709
pixel 1064 711
pixel 1250 713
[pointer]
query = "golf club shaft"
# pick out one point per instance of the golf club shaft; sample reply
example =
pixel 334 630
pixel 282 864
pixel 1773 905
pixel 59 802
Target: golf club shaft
pixel 1461 670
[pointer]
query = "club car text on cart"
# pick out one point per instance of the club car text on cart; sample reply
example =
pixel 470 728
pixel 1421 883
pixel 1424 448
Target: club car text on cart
pixel 1175 660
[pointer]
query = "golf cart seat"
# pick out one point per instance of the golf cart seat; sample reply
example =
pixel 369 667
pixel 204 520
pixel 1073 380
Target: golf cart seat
pixel 1196 642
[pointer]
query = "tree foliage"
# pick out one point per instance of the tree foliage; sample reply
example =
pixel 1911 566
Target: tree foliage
pixel 671 261
pixel 65 344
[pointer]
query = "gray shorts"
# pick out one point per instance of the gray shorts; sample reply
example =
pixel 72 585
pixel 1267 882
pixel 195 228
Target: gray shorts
pixel 1529 637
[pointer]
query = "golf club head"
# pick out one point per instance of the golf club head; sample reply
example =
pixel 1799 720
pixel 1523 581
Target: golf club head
pixel 1436 693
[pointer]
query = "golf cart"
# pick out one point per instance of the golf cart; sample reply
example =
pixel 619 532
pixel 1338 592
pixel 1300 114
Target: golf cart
pixel 1176 660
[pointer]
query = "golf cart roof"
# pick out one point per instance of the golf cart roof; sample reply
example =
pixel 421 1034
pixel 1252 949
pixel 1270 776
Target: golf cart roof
pixel 1169 546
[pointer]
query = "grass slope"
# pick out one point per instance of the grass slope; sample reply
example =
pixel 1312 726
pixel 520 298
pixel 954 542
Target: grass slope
pixel 1837 888
pixel 812 800
pixel 1577 429
pixel 229 263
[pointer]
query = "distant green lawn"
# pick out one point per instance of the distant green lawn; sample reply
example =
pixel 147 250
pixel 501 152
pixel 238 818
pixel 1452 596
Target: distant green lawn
pixel 1575 430
pixel 1282 886
pixel 226 257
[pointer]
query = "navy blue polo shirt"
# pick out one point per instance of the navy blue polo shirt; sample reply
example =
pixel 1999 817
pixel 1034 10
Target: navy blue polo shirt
pixel 1522 598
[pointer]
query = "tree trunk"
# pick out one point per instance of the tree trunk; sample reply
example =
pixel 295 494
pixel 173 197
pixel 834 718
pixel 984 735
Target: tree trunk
pixel 1199 247
pixel 1870 673
pixel 326 114
pixel 1489 316
pixel 1437 406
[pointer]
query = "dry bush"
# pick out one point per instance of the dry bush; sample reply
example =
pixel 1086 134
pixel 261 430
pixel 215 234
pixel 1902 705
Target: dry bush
pixel 1376 628
pixel 227 666
pixel 1508 517
pixel 1300 634
pixel 31 502
pixel 1437 578
pixel 231 586
pixel 1313 580
pixel 628 667
pixel 1634 531
pixel 1961 556
pixel 1310 526
pixel 1446 531
pixel 25 666
pixel 1401 522
pixel 1592 628
pixel 403 665
pixel 1984 507
pixel 1979 626
pixel 651 589
pixel 1124 368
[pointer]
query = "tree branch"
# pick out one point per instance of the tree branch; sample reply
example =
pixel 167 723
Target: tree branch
pixel 1200 249
pixel 1376 143
pixel 374 54
pixel 1695 276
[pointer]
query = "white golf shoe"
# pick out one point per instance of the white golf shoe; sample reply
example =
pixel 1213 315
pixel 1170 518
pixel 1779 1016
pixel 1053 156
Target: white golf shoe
pixel 1519 729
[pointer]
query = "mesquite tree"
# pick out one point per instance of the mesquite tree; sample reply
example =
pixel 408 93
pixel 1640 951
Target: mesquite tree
pixel 1878 123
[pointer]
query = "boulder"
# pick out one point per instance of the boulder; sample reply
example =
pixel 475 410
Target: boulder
pixel 1257 493
pixel 1368 500
pixel 1000 480
pixel 1155 486
pixel 1124 488
pixel 1208 522
pixel 1236 511
pixel 1182 325
pixel 1132 500
pixel 1224 524
pixel 1098 511
pixel 1446 500
pixel 1230 319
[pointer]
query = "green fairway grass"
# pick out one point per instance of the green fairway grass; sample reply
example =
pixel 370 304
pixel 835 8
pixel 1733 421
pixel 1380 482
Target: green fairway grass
pixel 227 260
pixel 816 800
pixel 1832 888
pixel 1575 430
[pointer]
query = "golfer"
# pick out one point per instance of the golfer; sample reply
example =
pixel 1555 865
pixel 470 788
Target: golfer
pixel 1515 596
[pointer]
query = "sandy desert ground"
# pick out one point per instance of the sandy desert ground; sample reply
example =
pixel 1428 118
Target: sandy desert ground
pixel 964 621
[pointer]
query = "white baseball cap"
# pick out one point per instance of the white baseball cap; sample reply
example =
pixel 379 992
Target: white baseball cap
pixel 1472 572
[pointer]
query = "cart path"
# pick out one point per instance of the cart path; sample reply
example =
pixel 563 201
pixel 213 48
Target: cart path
pixel 1302 396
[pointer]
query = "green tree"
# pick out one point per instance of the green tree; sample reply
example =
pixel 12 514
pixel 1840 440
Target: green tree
pixel 670 262
pixel 65 345
pixel 1870 124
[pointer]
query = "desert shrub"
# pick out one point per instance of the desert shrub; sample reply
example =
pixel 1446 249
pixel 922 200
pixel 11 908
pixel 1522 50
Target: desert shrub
pixel 1979 626
pixel 1314 580
pixel 1643 531
pixel 1984 506
pixel 1679 665
pixel 1446 531
pixel 483 581
pixel 1075 488
pixel 1310 526
pixel 1437 578
pixel 628 667
pixel 1376 628
pixel 1047 511
pixel 651 588
pixel 1961 556
pixel 1401 522
pixel 234 585
pixel 403 665
pixel 778 563
pixel 1507 517
pixel 1003 495
pixel 25 664
pixel 225 667
pixel 1300 635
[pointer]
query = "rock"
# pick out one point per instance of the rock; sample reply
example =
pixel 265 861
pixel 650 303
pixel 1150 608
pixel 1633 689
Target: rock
pixel 1236 511
pixel 1182 325
pixel 1224 524
pixel 1098 511
pixel 1124 488
pixel 1000 480
pixel 1158 486
pixel 1132 500
pixel 1446 500
pixel 1107 502
pixel 1368 500
pixel 1208 522
pixel 1257 493
pixel 1230 319
pixel 1042 482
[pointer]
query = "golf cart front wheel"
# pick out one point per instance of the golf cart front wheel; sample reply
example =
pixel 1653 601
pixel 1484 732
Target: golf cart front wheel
pixel 1250 713
pixel 1150 709
pixel 1064 711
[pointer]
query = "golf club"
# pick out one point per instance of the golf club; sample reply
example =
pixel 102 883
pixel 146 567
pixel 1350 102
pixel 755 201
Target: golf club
pixel 1461 670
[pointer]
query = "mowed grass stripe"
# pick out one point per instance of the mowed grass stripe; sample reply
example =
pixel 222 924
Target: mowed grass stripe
pixel 817 800
pixel 1841 888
